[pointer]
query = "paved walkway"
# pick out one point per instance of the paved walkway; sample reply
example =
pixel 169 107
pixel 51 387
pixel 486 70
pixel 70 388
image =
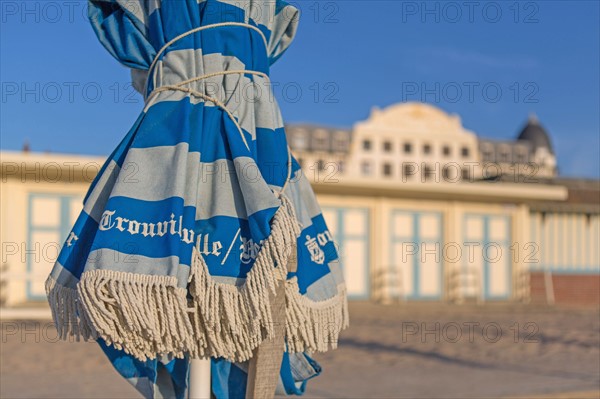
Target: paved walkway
pixel 389 352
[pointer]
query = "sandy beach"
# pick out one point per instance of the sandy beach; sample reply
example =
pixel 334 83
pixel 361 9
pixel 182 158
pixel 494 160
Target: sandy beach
pixel 428 350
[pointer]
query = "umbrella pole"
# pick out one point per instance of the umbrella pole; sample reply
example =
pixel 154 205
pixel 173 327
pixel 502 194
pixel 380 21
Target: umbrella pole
pixel 199 379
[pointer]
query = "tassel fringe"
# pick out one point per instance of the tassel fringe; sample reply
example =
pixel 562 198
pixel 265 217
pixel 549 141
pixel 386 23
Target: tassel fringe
pixel 314 326
pixel 67 312
pixel 141 314
pixel 147 316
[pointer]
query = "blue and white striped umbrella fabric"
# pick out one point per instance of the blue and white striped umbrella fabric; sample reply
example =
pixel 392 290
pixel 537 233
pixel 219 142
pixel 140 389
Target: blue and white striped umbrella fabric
pixel 201 208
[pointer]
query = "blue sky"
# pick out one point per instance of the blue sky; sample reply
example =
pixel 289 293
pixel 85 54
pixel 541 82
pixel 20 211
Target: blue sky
pixel 491 62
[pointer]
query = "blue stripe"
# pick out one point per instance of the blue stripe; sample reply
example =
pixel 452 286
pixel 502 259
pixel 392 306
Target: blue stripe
pixel 223 230
pixel 159 212
pixel 219 229
pixel 240 42
pixel 309 271
pixel 169 210
pixel 227 380
pixel 135 45
pixel 74 258
pixel 271 155
pixel 207 129
pixel 121 33
pixel 166 21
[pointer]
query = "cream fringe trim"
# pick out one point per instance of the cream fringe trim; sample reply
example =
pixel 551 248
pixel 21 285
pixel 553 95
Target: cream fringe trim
pixel 150 315
pixel 143 315
pixel 314 326
pixel 67 312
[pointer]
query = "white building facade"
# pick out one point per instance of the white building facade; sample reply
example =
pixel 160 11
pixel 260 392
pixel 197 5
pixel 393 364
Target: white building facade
pixel 424 209
pixel 418 206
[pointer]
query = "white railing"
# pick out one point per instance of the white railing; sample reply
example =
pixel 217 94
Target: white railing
pixel 464 283
pixel 388 286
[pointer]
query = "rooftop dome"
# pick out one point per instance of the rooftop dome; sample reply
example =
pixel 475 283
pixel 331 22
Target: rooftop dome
pixel 536 134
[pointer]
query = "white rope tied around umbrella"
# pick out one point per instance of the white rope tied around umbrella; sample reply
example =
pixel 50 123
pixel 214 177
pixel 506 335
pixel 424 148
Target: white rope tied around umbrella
pixel 205 97
pixel 191 32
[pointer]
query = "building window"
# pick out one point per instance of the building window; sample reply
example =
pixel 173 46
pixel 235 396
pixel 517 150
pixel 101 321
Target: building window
pixel 487 151
pixel 50 220
pixel 365 168
pixel 504 156
pixel 446 150
pixel 387 146
pixel 407 148
pixel 387 169
pixel 465 174
pixel 367 145
pixel 320 140
pixel 446 173
pixel 427 149
pixel 340 141
pixel 464 152
pixel 299 140
pixel 321 164
pixel 428 172
pixel 407 170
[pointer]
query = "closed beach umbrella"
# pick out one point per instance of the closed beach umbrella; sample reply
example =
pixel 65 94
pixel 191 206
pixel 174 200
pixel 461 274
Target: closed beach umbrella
pixel 200 237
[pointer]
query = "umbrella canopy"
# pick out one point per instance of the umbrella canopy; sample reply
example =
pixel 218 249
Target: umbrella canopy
pixel 194 217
